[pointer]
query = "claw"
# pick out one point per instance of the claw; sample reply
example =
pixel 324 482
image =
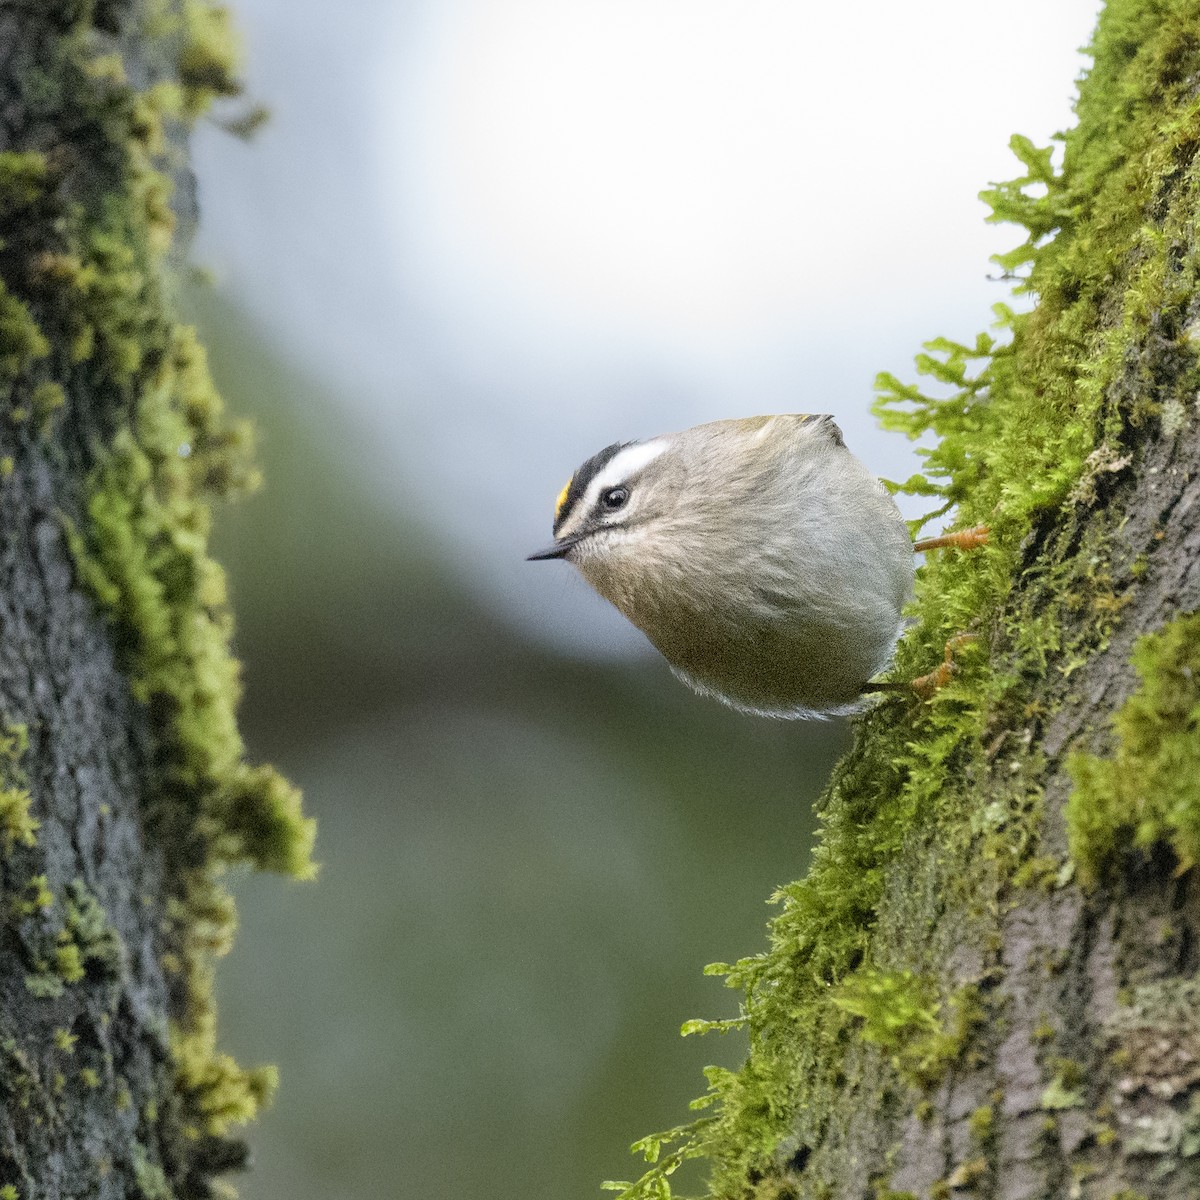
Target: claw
pixel 926 685
pixel 964 539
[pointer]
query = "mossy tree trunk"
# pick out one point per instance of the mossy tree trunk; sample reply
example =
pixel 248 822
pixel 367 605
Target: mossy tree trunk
pixel 123 786
pixel 989 983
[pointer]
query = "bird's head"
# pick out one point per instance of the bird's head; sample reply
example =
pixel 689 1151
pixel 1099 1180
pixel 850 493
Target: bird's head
pixel 613 500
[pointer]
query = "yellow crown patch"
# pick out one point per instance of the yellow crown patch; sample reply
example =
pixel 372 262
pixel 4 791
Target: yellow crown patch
pixel 562 499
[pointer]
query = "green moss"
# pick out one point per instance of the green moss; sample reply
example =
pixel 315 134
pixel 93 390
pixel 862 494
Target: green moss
pixel 44 985
pixel 982 1123
pixel 109 68
pixel 91 275
pixel 901 1013
pixel 967 1174
pixel 681 1144
pixel 148 1176
pixel 893 1008
pixel 17 827
pixel 21 341
pixel 1058 1095
pixel 85 940
pixel 45 402
pixel 89 931
pixel 68 961
pixel 42 898
pixel 145 559
pixel 1147 792
pixel 1030 426
pixel 22 178
pixel 209 59
pixel 104 289
pixel 65 1040
pixel 228 1094
pixel 1042 872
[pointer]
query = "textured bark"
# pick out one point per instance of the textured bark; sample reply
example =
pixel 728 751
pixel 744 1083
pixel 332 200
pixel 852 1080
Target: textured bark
pixel 93 1101
pixel 1064 966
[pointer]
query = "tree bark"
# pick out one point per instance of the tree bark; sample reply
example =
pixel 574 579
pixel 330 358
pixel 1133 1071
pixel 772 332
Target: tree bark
pixel 988 983
pixel 123 786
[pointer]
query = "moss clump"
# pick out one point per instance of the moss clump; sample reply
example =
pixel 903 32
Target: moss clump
pixel 42 898
pixel 45 984
pixel 86 940
pixel 68 962
pixel 21 341
pixel 894 1008
pixel 17 827
pixel 22 178
pixel 982 1123
pixel 1030 425
pixel 1147 792
pixel 1061 1093
pixel 209 58
pixel 148 1176
pixel 46 401
pixel 102 290
pixel 144 557
pixel 901 1013
pixel 228 1094
pixel 90 932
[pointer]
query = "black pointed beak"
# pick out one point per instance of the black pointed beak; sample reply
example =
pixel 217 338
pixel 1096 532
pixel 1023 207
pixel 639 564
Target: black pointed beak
pixel 558 550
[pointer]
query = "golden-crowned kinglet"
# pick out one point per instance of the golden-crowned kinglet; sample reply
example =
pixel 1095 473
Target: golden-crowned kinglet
pixel 762 559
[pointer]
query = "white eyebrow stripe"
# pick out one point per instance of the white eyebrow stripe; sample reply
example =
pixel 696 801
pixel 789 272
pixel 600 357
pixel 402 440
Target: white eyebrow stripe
pixel 624 465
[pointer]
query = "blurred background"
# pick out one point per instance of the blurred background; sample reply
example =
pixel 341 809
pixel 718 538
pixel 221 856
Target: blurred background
pixel 479 240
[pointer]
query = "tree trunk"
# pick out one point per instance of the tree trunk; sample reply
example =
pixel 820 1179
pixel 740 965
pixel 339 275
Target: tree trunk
pixel 988 983
pixel 123 786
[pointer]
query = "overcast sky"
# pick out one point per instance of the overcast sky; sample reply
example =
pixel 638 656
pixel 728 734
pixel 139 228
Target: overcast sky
pixel 509 232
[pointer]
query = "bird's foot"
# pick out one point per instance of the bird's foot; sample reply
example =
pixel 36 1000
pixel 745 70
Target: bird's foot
pixel 963 539
pixel 926 685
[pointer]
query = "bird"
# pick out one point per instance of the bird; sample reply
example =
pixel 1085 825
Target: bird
pixel 760 557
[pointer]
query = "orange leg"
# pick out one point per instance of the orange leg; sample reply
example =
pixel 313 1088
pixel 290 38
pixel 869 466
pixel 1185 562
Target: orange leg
pixel 964 539
pixel 926 685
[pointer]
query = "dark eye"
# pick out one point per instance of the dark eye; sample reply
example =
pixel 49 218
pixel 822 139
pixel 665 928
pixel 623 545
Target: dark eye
pixel 614 498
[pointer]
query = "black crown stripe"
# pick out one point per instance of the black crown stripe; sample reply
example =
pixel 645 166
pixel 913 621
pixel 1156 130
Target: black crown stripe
pixel 580 480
